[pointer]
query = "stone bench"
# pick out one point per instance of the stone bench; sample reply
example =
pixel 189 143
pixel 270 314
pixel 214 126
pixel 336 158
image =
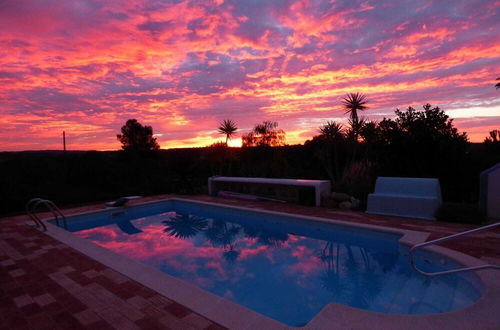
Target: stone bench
pixel 405 197
pixel 321 187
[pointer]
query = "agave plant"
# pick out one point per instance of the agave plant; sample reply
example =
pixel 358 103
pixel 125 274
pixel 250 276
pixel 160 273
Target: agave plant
pixel 353 103
pixel 332 130
pixel 227 127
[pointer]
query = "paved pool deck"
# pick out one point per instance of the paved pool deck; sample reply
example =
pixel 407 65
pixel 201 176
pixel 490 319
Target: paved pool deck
pixel 45 284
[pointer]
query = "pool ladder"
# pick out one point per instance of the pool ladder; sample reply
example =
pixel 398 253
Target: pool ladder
pixel 447 238
pixel 31 208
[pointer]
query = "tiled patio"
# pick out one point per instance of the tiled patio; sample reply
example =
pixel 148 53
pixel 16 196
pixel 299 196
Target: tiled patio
pixel 45 284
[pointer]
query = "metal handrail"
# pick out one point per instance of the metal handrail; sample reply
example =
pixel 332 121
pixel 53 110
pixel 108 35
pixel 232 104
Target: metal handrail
pixel 32 215
pixel 447 238
pixel 56 211
pixel 33 204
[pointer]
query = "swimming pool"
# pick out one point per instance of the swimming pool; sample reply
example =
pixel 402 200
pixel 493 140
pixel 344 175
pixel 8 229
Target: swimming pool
pixel 284 267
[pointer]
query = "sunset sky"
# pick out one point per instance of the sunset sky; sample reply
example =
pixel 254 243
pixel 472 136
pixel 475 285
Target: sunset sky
pixel 85 67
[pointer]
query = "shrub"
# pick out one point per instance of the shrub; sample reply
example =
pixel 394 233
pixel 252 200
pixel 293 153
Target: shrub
pixel 460 213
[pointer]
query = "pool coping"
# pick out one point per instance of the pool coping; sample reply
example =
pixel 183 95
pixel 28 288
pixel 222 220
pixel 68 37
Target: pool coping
pixel 481 314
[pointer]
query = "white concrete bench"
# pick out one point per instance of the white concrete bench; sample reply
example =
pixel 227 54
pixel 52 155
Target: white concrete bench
pixel 405 197
pixel 321 187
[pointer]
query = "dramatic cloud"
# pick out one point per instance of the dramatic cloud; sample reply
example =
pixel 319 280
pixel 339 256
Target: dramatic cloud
pixel 87 66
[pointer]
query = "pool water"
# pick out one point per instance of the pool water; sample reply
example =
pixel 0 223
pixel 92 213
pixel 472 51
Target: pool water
pixel 285 268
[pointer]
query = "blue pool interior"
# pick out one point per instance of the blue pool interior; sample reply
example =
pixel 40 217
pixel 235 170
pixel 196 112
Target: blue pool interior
pixel 283 267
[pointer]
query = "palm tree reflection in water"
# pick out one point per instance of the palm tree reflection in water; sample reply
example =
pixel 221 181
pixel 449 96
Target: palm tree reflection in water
pixel 184 226
pixel 349 276
pixel 219 233
pixel 348 270
pixel 266 237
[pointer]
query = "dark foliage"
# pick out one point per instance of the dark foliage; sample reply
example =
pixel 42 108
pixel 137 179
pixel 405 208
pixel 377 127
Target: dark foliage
pixel 81 177
pixel 493 138
pixel 490 149
pixel 418 144
pixel 265 134
pixel 136 137
pixel 415 144
pixel 84 177
pixel 328 149
pixel 460 213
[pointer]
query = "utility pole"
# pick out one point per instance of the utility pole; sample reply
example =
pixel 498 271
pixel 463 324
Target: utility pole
pixel 64 141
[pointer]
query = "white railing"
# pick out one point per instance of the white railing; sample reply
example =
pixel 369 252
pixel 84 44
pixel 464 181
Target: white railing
pixel 31 208
pixel 447 238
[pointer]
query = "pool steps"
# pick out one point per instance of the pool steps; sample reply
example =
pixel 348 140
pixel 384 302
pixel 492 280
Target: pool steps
pixel 447 238
pixel 32 206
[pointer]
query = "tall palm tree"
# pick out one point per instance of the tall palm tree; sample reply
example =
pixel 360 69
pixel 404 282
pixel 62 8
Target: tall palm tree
pixel 227 127
pixel 353 103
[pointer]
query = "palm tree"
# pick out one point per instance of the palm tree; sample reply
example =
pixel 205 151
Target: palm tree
pixel 352 103
pixel 227 127
pixel 498 84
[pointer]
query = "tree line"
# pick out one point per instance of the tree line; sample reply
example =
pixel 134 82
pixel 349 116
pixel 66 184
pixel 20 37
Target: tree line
pixel 415 143
pixel 409 123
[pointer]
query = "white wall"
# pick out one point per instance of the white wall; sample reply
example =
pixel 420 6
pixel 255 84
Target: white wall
pixel 493 194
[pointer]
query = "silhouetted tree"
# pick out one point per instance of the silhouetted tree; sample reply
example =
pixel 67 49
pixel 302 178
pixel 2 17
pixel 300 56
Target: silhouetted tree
pixel 353 103
pixel 331 135
pixel 265 134
pixel 493 138
pixel 421 144
pixel 136 137
pixel 219 158
pixel 228 128
pixel 372 137
pixel 497 84
pixel 492 147
pixel 369 132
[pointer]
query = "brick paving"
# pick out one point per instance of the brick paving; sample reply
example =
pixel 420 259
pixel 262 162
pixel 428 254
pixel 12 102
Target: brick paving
pixel 45 284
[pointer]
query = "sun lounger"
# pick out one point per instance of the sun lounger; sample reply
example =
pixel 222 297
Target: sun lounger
pixel 121 201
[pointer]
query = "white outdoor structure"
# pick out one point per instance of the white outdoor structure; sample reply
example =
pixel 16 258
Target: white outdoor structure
pixel 321 187
pixel 405 197
pixel 489 191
